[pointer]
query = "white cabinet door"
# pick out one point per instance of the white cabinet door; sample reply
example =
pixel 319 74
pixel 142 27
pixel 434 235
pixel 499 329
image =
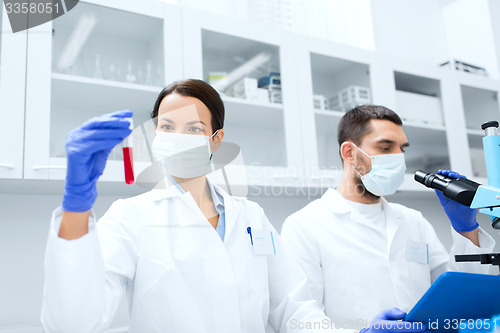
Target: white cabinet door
pixel 12 89
pixel 100 57
pixel 262 117
pixel 325 70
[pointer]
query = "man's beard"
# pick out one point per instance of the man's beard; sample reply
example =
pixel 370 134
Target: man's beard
pixel 360 189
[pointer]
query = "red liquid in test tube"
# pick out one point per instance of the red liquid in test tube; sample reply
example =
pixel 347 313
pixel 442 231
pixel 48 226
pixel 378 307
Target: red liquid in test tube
pixel 128 161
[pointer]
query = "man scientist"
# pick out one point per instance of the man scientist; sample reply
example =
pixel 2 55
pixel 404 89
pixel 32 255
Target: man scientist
pixel 363 254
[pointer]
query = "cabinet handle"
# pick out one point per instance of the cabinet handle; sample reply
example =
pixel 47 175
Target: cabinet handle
pixel 48 167
pixel 6 166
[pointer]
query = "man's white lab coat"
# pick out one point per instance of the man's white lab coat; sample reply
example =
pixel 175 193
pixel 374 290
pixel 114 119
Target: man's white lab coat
pixel 355 273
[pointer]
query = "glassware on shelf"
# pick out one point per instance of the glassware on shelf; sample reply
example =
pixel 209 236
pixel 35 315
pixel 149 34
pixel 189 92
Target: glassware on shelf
pixel 97 67
pixel 111 74
pixel 159 77
pixel 130 78
pixel 149 74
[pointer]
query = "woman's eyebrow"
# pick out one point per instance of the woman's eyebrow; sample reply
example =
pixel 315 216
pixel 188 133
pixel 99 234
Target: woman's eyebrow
pixel 195 122
pixel 167 120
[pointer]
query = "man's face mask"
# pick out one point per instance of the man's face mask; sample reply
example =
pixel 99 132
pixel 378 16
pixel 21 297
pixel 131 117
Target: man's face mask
pixel 386 175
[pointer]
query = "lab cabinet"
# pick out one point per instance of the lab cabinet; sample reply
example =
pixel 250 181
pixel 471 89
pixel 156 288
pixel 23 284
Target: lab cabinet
pixel 101 57
pixel 284 93
pixel 418 103
pixel 12 98
pixel 330 77
pixel 253 68
pixel 326 71
pixel 480 104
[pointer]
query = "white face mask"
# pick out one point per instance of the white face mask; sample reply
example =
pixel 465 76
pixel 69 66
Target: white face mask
pixel 183 155
pixel 387 173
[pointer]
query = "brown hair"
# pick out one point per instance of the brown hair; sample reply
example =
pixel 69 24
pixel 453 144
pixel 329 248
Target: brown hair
pixel 197 89
pixel 354 125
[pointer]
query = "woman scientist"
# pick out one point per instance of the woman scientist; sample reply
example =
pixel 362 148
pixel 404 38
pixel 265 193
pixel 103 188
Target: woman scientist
pixel 190 257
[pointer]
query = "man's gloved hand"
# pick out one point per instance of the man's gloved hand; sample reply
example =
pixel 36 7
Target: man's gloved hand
pixel 88 148
pixel 390 321
pixel 463 218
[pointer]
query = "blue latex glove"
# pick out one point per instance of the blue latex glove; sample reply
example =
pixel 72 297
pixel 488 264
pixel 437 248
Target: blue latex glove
pixel 87 149
pixel 390 321
pixel 463 219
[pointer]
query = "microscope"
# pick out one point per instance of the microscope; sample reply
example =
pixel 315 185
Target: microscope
pixel 486 198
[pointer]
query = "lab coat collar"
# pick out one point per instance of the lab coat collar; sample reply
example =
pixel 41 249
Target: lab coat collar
pixel 230 208
pixel 339 205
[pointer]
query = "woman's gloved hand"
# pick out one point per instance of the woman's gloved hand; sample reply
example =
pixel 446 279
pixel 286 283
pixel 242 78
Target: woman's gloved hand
pixel 87 149
pixel 463 218
pixel 390 321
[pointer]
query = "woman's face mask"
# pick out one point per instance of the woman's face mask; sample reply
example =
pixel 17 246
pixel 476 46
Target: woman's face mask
pixel 183 155
pixel 386 175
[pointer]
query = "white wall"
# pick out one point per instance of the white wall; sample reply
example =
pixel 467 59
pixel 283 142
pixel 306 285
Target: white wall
pixel 469 33
pixel 409 29
pixel 495 22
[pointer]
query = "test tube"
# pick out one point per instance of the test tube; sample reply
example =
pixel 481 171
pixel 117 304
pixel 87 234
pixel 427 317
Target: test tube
pixel 128 161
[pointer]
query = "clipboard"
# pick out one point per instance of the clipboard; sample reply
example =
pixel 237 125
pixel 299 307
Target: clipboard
pixel 458 298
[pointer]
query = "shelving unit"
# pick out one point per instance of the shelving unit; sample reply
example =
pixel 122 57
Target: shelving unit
pixel 330 75
pixel 12 98
pixel 266 130
pixel 418 103
pixel 292 139
pixel 100 58
pixel 327 123
pixel 101 42
pixel 480 105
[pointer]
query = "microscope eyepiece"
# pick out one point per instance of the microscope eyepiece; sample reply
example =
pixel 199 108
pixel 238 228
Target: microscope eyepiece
pixel 461 190
pixel 489 124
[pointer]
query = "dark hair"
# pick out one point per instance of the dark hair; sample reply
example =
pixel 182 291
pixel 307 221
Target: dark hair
pixel 354 125
pixel 197 89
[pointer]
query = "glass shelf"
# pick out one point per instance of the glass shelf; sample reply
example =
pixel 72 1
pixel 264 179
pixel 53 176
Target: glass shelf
pixel 103 43
pixel 74 100
pixel 477 153
pixel 418 99
pixel 331 75
pixel 418 103
pixel 256 124
pixel 235 58
pixel 103 60
pixel 428 149
pixel 480 106
pixel 327 123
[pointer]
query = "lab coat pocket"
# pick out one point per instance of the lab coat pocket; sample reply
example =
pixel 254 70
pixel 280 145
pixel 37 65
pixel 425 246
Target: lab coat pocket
pixel 417 257
pixel 258 274
pixel 420 278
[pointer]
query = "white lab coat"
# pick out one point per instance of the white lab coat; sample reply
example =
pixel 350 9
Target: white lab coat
pixel 178 274
pixel 355 277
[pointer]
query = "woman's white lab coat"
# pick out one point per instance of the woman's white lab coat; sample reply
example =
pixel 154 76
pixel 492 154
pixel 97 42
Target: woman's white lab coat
pixel 356 270
pixel 178 274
